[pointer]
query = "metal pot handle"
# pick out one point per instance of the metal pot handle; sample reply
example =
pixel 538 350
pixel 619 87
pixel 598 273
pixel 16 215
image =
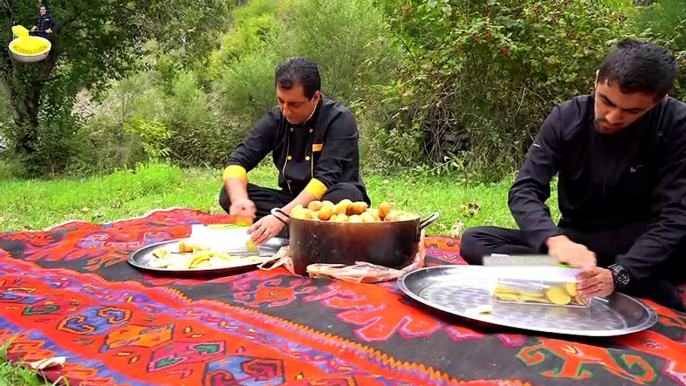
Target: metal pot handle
pixel 277 212
pixel 428 221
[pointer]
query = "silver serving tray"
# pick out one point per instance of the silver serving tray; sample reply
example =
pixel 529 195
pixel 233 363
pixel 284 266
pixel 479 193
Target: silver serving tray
pixel 458 288
pixel 142 257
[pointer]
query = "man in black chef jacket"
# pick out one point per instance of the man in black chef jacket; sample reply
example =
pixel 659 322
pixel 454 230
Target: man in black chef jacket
pixel 314 144
pixel 45 24
pixel 621 159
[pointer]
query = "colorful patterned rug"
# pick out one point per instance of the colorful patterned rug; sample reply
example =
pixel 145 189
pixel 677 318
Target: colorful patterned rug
pixel 69 292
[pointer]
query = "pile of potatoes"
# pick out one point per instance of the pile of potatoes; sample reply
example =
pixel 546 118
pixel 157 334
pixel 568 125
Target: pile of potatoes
pixel 348 211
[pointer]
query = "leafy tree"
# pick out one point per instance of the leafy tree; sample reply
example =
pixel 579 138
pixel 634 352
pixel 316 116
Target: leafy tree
pixel 94 43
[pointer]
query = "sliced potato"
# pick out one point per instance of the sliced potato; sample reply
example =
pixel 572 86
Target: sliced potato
pixel 558 295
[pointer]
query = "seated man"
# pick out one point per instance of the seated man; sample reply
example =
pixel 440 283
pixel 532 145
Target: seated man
pixel 45 24
pixel 621 158
pixel 314 143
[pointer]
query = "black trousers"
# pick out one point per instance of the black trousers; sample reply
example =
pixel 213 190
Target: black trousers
pixel 44 35
pixel 606 244
pixel 266 199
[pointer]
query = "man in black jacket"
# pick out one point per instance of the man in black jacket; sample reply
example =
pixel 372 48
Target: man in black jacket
pixel 314 144
pixel 621 159
pixel 45 24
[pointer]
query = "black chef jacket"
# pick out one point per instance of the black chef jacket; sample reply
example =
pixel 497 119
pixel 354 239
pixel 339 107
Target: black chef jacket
pixel 45 23
pixel 637 174
pixel 325 148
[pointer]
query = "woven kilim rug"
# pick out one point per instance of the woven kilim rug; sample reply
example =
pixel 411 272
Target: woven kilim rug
pixel 69 291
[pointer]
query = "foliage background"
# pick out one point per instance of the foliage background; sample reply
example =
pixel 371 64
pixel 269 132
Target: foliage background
pixel 438 86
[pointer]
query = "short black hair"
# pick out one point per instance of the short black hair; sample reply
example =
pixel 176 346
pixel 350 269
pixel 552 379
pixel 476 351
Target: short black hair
pixel 640 66
pixel 301 71
pixel 42 6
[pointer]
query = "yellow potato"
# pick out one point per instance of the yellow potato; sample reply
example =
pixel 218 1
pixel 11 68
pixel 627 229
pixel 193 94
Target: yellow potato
pixel 384 209
pixel 357 208
pixel 367 217
pixel 314 205
pixel 342 207
pixel 243 221
pixel 326 211
pixel 251 246
pixel 392 216
pixel 355 218
pixel 374 213
pixel 300 212
pixel 571 288
pixel 184 247
pixel 333 218
pixel 342 217
pixel 580 300
pixel 159 253
pixel 558 295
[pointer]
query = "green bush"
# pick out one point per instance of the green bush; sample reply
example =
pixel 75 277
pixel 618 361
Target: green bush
pixel 246 90
pixel 665 23
pixel 250 35
pixel 348 39
pixel 437 85
pixel 201 135
pixel 480 77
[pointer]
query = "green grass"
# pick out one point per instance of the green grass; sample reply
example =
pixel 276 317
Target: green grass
pixel 35 205
pixel 12 374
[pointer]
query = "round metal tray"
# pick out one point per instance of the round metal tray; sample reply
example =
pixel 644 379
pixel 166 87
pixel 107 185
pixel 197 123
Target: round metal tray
pixel 142 257
pixel 458 288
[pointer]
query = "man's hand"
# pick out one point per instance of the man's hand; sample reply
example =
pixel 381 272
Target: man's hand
pixel 596 281
pixel 570 253
pixel 34 28
pixel 243 209
pixel 265 229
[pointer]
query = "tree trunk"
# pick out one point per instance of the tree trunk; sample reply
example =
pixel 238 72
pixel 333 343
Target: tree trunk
pixel 25 83
pixel 25 105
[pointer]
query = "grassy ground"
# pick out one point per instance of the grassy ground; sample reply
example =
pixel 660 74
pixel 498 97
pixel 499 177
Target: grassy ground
pixel 35 205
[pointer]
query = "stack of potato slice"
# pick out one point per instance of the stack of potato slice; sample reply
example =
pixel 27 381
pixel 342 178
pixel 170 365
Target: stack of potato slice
pixel 563 294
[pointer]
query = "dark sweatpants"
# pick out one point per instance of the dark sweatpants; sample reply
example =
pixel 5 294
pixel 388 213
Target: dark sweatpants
pixel 266 199
pixel 607 244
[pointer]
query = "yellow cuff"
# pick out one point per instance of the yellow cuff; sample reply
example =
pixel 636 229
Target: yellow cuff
pixel 235 171
pixel 316 188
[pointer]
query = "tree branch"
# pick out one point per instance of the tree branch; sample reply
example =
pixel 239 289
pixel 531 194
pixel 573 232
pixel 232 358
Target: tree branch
pixel 46 80
pixel 9 9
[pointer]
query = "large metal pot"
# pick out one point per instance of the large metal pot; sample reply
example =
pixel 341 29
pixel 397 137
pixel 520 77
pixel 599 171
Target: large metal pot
pixel 390 244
